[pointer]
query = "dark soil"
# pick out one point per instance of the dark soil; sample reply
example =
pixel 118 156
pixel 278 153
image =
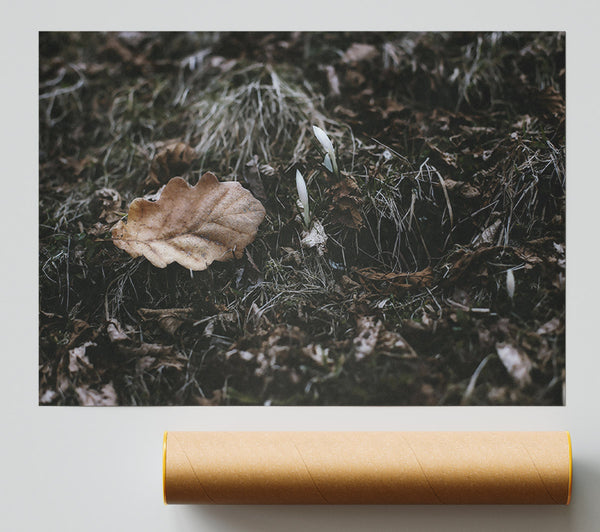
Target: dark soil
pixel 442 280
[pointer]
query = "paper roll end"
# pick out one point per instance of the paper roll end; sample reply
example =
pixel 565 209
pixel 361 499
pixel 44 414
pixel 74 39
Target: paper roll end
pixel 570 467
pixel 164 467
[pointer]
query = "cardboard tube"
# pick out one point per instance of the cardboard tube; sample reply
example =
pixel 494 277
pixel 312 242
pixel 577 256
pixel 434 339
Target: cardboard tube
pixel 367 467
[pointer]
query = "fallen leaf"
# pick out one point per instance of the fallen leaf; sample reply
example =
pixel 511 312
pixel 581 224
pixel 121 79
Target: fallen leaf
pixel 144 364
pixel 48 397
pixel 291 256
pixel 516 363
pixel 354 79
pixel 366 339
pixel 107 204
pixel 216 399
pixel 80 328
pixel 469 191
pixel 169 319
pixel 177 362
pixel 115 332
pixel 315 238
pixel 274 348
pixel 172 160
pixel 78 359
pixel 388 281
pixel 145 349
pixel 392 106
pixel 393 344
pixel 449 158
pixel 192 226
pixel 317 353
pixel 528 256
pixel 252 177
pixel 107 396
pixel 346 201
pixel 344 111
pixel 360 52
pixel 78 165
pixel 551 102
pixel 465 257
pixel 550 326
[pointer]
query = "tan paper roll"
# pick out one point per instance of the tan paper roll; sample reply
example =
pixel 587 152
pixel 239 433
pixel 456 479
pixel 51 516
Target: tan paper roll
pixel 367 467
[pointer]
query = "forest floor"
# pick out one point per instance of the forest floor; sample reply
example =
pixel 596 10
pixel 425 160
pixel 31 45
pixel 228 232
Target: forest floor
pixel 439 276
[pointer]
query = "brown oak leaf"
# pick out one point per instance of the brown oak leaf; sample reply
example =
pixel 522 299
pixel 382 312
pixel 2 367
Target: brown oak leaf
pixel 346 203
pixel 172 160
pixel 191 225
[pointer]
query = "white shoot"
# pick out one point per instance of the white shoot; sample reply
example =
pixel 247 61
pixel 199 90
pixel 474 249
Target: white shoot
pixel 303 195
pixel 325 141
pixel 510 283
pixel 327 163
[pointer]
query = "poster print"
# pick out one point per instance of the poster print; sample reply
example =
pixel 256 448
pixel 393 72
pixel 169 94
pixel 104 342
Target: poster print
pixel 302 218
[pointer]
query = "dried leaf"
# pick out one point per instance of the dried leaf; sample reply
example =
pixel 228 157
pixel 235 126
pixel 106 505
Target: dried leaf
pixel 466 190
pixel 371 335
pixel 216 399
pixel 177 362
pixel 346 201
pixel 359 52
pixel 252 177
pixel 77 166
pixel 516 363
pixel 281 342
pixel 315 238
pixel 469 191
pixel 451 184
pixel 78 360
pixel 354 79
pixel 488 234
pixel 317 353
pixel 169 319
pixel 115 332
pixel 528 256
pixel 392 106
pixel 384 282
pixel 393 344
pixel 464 258
pixel 550 327
pixel 107 201
pixel 192 226
pixel 48 397
pixel 145 349
pixel 80 328
pixel 450 159
pixel 366 339
pixel 172 160
pixel 107 396
pixel 551 101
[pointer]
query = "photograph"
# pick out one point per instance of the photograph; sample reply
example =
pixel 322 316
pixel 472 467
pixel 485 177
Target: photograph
pixel 302 218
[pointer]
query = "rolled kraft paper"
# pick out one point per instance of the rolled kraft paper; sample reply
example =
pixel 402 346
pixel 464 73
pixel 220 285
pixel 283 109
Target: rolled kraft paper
pixel 367 467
